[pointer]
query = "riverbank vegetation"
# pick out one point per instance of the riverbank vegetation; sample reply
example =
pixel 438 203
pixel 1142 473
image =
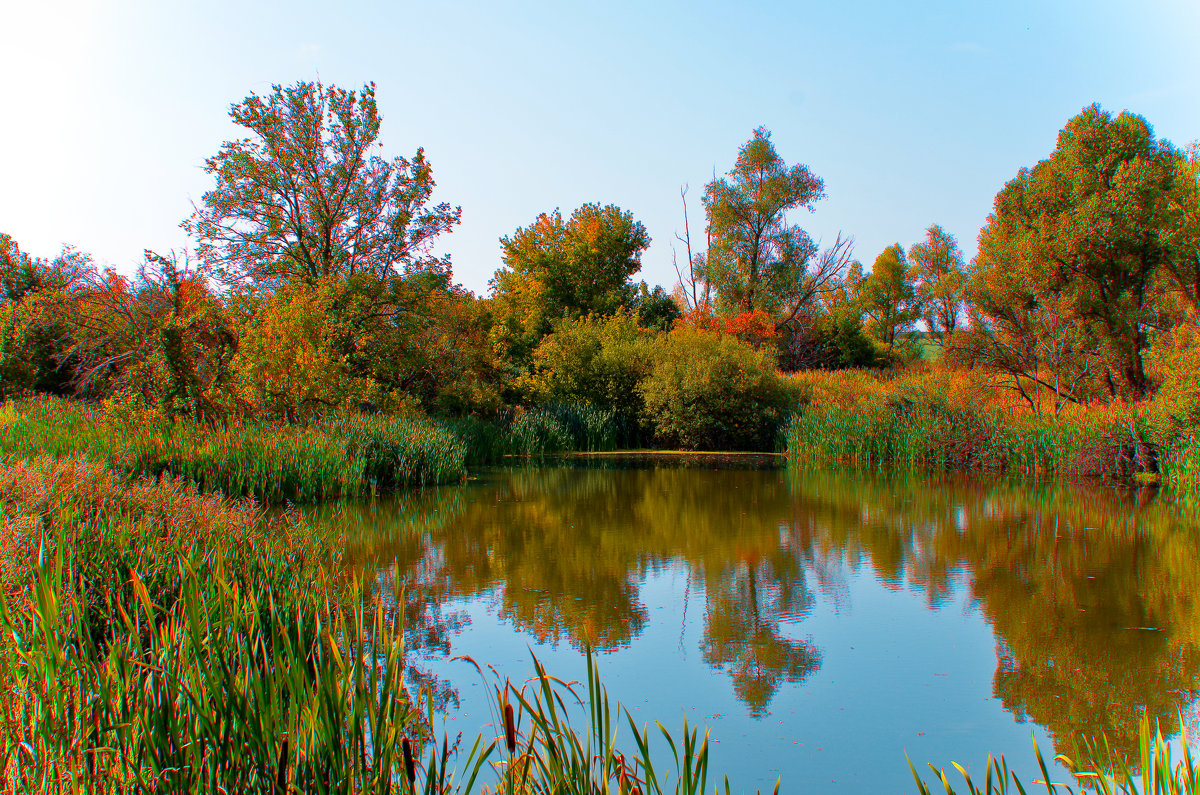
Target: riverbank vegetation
pixel 158 639
pixel 313 345
pixel 1067 345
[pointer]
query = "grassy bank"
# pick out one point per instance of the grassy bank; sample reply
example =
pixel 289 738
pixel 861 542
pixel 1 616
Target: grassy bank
pixel 156 639
pixel 955 420
pixel 342 456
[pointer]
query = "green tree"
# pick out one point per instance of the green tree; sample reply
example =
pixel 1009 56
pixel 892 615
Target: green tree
pixel 941 280
pixel 303 198
pixel 595 360
pixel 1183 218
pixel 555 268
pixel 655 308
pixel 1089 230
pixel 889 297
pixel 756 260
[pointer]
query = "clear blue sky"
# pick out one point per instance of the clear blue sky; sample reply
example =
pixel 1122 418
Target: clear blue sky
pixel 912 113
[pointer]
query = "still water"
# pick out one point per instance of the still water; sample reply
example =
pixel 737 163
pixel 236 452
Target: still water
pixel 821 624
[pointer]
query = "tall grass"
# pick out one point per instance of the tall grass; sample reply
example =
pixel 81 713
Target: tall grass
pixel 344 456
pixel 938 436
pixel 956 420
pixel 340 456
pixel 169 641
pixel 1094 766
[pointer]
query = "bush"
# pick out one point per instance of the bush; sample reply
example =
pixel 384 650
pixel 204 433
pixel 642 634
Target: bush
pixel 832 342
pixel 288 360
pixel 594 360
pixel 713 392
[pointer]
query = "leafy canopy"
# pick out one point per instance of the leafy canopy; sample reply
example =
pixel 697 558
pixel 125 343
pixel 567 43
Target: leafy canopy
pixel 555 268
pixel 755 259
pixel 937 267
pixel 1085 235
pixel 888 296
pixel 302 198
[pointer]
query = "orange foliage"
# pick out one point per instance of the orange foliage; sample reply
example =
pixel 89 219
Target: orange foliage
pixel 43 492
pixel 754 328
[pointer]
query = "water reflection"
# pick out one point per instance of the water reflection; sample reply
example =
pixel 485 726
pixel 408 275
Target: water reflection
pixel 1090 593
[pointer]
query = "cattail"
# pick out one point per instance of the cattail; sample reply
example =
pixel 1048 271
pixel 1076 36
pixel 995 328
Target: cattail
pixel 281 767
pixel 410 768
pixel 91 759
pixel 510 729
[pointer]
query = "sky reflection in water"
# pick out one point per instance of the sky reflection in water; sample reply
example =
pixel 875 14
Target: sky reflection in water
pixel 822 623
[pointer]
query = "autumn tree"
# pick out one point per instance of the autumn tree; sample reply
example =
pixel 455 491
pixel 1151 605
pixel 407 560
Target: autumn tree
pixel 303 197
pixel 1086 234
pixel 161 338
pixel 36 311
pixel 756 260
pixel 937 267
pixel 889 297
pixel 1182 267
pixel 557 268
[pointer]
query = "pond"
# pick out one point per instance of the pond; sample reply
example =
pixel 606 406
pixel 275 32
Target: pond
pixel 822 624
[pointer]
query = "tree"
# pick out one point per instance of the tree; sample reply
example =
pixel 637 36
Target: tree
pixel 889 297
pixel 1183 235
pixel 655 308
pixel 303 198
pixel 37 311
pixel 555 268
pixel 941 280
pixel 755 259
pixel 1088 232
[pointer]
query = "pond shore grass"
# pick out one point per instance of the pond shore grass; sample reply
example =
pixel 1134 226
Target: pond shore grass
pixel 348 455
pixel 933 436
pixel 954 420
pixel 158 639
pixel 165 640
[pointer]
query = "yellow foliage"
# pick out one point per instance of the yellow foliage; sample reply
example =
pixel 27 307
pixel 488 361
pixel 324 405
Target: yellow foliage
pixel 1174 363
pixel 966 389
pixel 287 364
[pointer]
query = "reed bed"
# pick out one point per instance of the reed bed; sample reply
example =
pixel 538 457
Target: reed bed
pixel 170 641
pixel 1094 766
pixel 937 436
pixel 942 419
pixel 344 456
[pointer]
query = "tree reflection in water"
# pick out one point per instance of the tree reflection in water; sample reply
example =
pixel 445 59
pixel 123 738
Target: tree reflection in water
pixel 1090 592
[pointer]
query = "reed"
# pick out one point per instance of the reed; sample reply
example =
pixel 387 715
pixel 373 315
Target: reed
pixel 345 455
pixel 342 456
pixel 941 430
pixel 1094 766
pixel 941 437
pixel 167 640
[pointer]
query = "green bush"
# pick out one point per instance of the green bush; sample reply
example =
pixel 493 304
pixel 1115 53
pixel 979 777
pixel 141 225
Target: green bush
pixel 713 392
pixel 595 360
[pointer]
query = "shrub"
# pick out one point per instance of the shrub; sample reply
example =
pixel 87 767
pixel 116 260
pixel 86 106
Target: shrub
pixel 594 360
pixel 830 342
pixel 710 392
pixel 287 360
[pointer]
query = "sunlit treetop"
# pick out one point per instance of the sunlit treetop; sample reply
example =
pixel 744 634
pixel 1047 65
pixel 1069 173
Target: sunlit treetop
pixel 303 197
